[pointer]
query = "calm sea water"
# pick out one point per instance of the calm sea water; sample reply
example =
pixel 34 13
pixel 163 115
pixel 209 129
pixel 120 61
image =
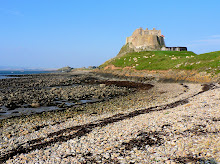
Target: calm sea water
pixel 4 73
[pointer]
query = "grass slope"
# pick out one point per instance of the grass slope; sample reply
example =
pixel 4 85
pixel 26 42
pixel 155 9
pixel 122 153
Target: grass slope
pixel 164 60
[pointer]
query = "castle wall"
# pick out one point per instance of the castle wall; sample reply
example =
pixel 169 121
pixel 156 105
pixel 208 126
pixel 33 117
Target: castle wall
pixel 161 41
pixel 174 48
pixel 149 40
pixel 146 39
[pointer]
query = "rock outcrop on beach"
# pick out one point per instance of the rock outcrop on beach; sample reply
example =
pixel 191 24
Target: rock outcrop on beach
pixel 58 91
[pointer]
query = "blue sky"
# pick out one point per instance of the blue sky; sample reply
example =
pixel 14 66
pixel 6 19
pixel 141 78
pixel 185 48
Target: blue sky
pixel 57 33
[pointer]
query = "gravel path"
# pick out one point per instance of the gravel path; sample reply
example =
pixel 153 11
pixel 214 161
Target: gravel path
pixel 170 123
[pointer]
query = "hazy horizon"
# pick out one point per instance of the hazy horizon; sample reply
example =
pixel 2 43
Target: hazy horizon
pixel 54 34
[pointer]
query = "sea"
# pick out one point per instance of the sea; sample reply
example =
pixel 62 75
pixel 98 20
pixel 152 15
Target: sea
pixel 4 73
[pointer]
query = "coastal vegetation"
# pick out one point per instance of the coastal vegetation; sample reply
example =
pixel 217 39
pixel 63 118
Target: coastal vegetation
pixel 166 60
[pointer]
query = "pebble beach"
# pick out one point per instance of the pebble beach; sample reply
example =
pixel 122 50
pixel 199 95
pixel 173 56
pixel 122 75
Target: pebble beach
pixel 167 123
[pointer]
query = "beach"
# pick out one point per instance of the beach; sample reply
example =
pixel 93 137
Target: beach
pixel 126 120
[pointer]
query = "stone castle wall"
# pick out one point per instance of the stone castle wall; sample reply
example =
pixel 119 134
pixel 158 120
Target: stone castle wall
pixel 174 48
pixel 146 40
pixel 149 40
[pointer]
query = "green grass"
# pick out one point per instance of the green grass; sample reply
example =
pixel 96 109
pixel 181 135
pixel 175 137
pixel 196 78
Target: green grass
pixel 165 60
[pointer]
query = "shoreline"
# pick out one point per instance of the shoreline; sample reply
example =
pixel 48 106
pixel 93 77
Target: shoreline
pixel 190 76
pixel 15 73
pixel 38 93
pixel 165 119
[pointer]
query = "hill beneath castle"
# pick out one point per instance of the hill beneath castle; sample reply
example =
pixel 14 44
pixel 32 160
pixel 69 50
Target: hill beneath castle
pixel 145 54
pixel 177 65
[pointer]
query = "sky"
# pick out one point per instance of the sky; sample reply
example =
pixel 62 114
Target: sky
pixel 82 33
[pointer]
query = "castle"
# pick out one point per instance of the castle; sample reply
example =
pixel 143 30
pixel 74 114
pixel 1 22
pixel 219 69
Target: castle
pixel 149 40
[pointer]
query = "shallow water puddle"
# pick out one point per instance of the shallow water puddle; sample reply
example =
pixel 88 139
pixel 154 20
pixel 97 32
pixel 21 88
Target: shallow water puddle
pixel 25 110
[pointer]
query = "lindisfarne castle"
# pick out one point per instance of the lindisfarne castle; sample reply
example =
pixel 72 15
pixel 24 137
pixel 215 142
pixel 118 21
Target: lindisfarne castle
pixel 149 40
